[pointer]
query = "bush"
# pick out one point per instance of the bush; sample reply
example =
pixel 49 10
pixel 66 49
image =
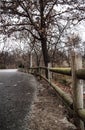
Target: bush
pixel 2 66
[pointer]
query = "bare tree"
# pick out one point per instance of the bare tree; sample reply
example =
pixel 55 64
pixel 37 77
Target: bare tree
pixel 39 17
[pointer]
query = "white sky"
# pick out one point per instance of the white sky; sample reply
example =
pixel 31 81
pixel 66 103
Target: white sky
pixel 81 31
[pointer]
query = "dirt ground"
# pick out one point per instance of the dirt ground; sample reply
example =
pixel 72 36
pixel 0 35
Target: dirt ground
pixel 48 111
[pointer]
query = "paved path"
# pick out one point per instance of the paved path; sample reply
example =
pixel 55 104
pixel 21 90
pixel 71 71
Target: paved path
pixel 16 94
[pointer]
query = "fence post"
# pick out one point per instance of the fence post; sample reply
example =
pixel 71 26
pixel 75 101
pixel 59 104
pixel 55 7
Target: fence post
pixel 49 73
pixel 31 60
pixel 39 71
pixel 77 85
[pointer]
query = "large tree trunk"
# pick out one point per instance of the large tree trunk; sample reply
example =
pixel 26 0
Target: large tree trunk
pixel 43 36
pixel 45 55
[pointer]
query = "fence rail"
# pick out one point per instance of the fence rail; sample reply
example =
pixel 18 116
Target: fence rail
pixel 77 74
pixel 65 71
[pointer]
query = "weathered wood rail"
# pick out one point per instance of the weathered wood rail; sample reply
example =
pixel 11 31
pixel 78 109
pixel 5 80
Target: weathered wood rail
pixel 65 71
pixel 77 74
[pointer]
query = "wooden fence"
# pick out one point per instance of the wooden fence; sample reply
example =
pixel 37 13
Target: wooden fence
pixel 77 74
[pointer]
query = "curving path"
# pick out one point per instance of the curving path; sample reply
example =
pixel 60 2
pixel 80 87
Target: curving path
pixel 16 95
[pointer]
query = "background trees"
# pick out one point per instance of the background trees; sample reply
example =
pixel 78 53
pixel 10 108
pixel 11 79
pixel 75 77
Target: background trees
pixel 47 23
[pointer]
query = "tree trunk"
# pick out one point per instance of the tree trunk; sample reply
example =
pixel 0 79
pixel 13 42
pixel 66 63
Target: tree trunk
pixel 43 36
pixel 45 55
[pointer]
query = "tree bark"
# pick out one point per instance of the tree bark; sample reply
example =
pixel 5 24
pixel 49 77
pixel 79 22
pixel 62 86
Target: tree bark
pixel 45 55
